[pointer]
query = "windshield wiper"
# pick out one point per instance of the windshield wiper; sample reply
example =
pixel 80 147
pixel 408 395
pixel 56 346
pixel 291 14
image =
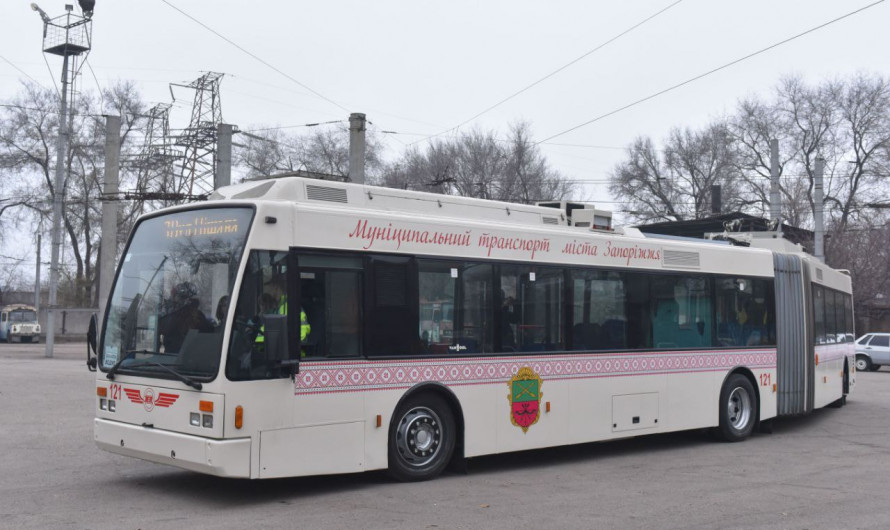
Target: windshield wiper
pixel 129 353
pixel 184 378
pixel 117 365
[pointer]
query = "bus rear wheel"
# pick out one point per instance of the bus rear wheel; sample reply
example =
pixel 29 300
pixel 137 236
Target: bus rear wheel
pixel 422 438
pixel 738 409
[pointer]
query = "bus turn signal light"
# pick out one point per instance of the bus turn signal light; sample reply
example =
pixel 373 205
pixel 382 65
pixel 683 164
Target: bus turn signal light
pixel 239 416
pixel 102 391
pixel 205 406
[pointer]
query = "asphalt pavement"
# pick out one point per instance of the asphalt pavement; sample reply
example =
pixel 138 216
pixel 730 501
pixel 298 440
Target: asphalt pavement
pixel 825 470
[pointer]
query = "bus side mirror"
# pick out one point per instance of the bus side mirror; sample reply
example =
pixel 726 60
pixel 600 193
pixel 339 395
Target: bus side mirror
pixel 92 332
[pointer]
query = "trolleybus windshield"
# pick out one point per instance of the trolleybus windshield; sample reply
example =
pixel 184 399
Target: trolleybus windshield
pixel 168 307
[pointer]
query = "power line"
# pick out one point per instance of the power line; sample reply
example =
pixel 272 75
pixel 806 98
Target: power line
pixel 553 73
pixel 50 70
pixel 719 68
pixel 24 73
pixel 223 37
pixel 96 79
pixel 294 126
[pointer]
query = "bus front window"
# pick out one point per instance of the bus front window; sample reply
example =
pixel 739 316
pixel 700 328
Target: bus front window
pixel 23 315
pixel 169 304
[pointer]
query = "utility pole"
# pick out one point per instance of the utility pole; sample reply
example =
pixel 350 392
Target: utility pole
pixel 37 277
pixel 68 35
pixel 357 147
pixel 818 198
pixel 108 251
pixel 223 175
pixel 716 200
pixel 775 198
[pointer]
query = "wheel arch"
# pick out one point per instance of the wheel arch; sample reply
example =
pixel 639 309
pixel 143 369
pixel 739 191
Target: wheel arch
pixel 863 354
pixel 438 389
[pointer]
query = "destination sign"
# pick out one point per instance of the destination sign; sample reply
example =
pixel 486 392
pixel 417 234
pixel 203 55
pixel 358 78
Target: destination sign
pixel 203 225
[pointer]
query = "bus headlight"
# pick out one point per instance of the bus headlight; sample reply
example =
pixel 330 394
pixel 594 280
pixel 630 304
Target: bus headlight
pixel 195 419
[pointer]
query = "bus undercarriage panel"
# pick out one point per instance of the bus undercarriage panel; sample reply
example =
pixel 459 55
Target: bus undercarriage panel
pixel 223 458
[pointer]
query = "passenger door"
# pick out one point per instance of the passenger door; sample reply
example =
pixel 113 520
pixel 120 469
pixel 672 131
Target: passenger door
pixel 879 349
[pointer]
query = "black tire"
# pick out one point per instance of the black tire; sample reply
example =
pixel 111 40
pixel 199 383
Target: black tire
pixel 738 409
pixel 863 363
pixel 421 438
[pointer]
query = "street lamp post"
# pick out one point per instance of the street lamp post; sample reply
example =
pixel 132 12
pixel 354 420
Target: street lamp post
pixel 66 35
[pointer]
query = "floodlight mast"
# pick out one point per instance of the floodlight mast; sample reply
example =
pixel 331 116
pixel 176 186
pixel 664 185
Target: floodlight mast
pixel 60 40
pixel 43 14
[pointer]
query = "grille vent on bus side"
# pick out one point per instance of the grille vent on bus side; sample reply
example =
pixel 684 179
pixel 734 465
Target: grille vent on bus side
pixel 819 274
pixel 324 193
pixel 681 258
pixel 550 220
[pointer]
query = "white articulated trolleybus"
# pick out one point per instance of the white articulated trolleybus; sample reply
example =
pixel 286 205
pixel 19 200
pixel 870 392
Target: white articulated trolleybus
pixel 298 327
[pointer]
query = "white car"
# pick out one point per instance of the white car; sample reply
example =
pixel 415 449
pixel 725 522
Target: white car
pixel 872 351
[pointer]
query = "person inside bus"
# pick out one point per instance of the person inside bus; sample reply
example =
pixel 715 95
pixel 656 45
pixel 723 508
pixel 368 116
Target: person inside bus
pixel 222 308
pixel 183 315
pixel 273 301
pixel 509 318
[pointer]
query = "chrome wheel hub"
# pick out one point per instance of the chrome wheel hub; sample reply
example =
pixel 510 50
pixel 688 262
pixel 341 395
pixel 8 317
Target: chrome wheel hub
pixel 738 408
pixel 419 436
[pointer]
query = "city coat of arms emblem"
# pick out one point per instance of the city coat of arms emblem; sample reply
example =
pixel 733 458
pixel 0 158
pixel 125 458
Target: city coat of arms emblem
pixel 525 398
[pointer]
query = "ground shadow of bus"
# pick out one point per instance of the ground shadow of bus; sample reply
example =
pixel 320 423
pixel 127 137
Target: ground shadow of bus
pixel 232 493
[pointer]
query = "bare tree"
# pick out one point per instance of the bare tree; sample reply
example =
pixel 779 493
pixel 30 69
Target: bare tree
pixel 269 151
pixel 479 164
pixel 676 184
pixel 28 133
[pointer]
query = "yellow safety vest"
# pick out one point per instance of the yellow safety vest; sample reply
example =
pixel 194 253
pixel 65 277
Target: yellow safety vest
pixel 305 328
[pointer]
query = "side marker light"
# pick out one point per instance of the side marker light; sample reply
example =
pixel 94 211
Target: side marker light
pixel 239 416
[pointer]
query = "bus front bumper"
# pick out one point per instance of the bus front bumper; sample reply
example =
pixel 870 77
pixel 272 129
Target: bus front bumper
pixel 223 458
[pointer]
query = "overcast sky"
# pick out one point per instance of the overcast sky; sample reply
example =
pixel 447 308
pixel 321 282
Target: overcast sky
pixel 421 67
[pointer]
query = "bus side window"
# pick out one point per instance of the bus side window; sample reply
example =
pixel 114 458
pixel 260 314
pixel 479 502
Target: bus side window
pixel 3 317
pixel 331 298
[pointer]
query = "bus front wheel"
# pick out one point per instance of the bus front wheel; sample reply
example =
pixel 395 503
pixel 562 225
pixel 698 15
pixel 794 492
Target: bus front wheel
pixel 737 409
pixel 422 438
